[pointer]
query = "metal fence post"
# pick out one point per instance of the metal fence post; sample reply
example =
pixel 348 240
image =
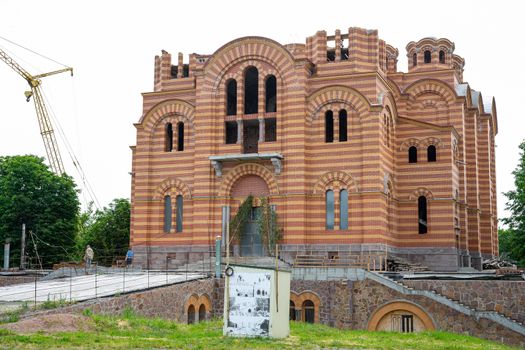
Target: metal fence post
pixel 35 290
pixel 96 286
pixel 217 257
pixel 70 284
pixel 166 268
pixel 187 262
pixel 123 280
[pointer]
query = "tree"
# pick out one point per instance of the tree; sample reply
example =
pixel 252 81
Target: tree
pixel 238 222
pixel 268 226
pixel 516 206
pixel 106 231
pixel 47 203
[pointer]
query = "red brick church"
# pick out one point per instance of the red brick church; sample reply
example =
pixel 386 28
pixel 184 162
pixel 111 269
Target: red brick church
pixel 352 154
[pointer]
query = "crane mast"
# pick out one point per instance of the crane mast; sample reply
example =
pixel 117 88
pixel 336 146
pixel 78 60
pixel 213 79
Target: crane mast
pixel 44 121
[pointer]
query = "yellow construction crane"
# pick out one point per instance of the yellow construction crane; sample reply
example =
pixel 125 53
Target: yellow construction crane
pixel 46 128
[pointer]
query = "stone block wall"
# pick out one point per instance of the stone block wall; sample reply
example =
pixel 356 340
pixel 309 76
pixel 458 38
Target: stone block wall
pixel 505 297
pixel 165 302
pixel 351 304
pixel 342 304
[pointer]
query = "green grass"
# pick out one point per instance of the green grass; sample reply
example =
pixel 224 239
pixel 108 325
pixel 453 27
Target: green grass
pixel 129 331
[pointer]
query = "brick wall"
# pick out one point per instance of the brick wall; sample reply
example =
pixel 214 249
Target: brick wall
pixel 387 111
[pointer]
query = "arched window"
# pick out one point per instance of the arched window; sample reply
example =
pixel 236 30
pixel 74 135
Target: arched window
pixel 167 213
pixel 412 154
pixel 202 313
pixel 428 56
pixel 292 311
pixel 168 138
pixel 271 94
pixel 329 126
pixel 441 56
pixel 231 97
pixel 414 59
pixel 180 136
pixel 251 90
pixel 422 214
pixel 343 210
pixel 431 153
pixel 343 130
pixel 330 208
pixel 180 210
pixel 308 311
pixel 191 314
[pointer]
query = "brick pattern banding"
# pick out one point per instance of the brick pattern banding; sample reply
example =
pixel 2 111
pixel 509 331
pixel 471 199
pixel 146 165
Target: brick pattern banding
pixel 387 112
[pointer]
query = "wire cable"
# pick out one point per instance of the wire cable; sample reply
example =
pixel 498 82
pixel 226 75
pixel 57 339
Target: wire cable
pixel 36 53
pixel 71 153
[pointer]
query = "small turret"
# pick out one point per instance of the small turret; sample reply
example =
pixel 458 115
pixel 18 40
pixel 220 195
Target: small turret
pixel 433 54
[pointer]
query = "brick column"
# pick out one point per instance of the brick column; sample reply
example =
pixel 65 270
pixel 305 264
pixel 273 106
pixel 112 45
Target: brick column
pixel 240 131
pixel 337 45
pixel 261 129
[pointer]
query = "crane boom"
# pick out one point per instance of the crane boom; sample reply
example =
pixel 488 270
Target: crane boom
pixel 46 128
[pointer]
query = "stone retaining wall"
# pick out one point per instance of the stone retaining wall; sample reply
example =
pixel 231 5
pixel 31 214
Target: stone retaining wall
pixel 165 302
pixel 343 304
pixel 505 297
pixel 351 304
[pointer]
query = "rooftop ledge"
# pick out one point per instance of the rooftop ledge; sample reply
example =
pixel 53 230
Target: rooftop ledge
pixel 216 161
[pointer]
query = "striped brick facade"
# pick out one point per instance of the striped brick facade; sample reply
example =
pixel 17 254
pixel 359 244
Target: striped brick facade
pixel 387 113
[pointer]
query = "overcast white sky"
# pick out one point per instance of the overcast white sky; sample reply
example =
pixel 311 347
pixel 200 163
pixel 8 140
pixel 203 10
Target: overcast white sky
pixel 112 44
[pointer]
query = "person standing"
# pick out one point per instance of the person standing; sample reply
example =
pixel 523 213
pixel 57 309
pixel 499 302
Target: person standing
pixel 88 256
pixel 129 257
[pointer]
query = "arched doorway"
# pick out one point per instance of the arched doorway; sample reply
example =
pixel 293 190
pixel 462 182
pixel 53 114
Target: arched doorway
pixel 400 316
pixel 251 243
pixel 292 311
pixel 308 311
pixel 202 313
pixel 191 314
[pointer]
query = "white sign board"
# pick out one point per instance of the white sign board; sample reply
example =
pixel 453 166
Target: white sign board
pixel 249 304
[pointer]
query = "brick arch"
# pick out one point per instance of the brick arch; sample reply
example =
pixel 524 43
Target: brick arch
pixel 249 184
pixel 390 106
pixel 335 94
pixel 394 89
pixel 205 299
pixel 421 191
pixel 409 143
pixel 197 301
pixel 432 141
pixel 328 181
pixel 247 169
pixel 432 86
pixel 172 182
pixel 413 308
pixel 174 108
pixel 247 48
pixel 300 298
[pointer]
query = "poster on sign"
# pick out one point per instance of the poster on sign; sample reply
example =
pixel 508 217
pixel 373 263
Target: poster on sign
pixel 249 304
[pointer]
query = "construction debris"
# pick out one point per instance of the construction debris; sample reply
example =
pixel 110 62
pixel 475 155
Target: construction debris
pixel 397 264
pixel 497 263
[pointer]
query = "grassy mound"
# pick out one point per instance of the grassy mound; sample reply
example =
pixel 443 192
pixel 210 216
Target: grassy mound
pixel 129 331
